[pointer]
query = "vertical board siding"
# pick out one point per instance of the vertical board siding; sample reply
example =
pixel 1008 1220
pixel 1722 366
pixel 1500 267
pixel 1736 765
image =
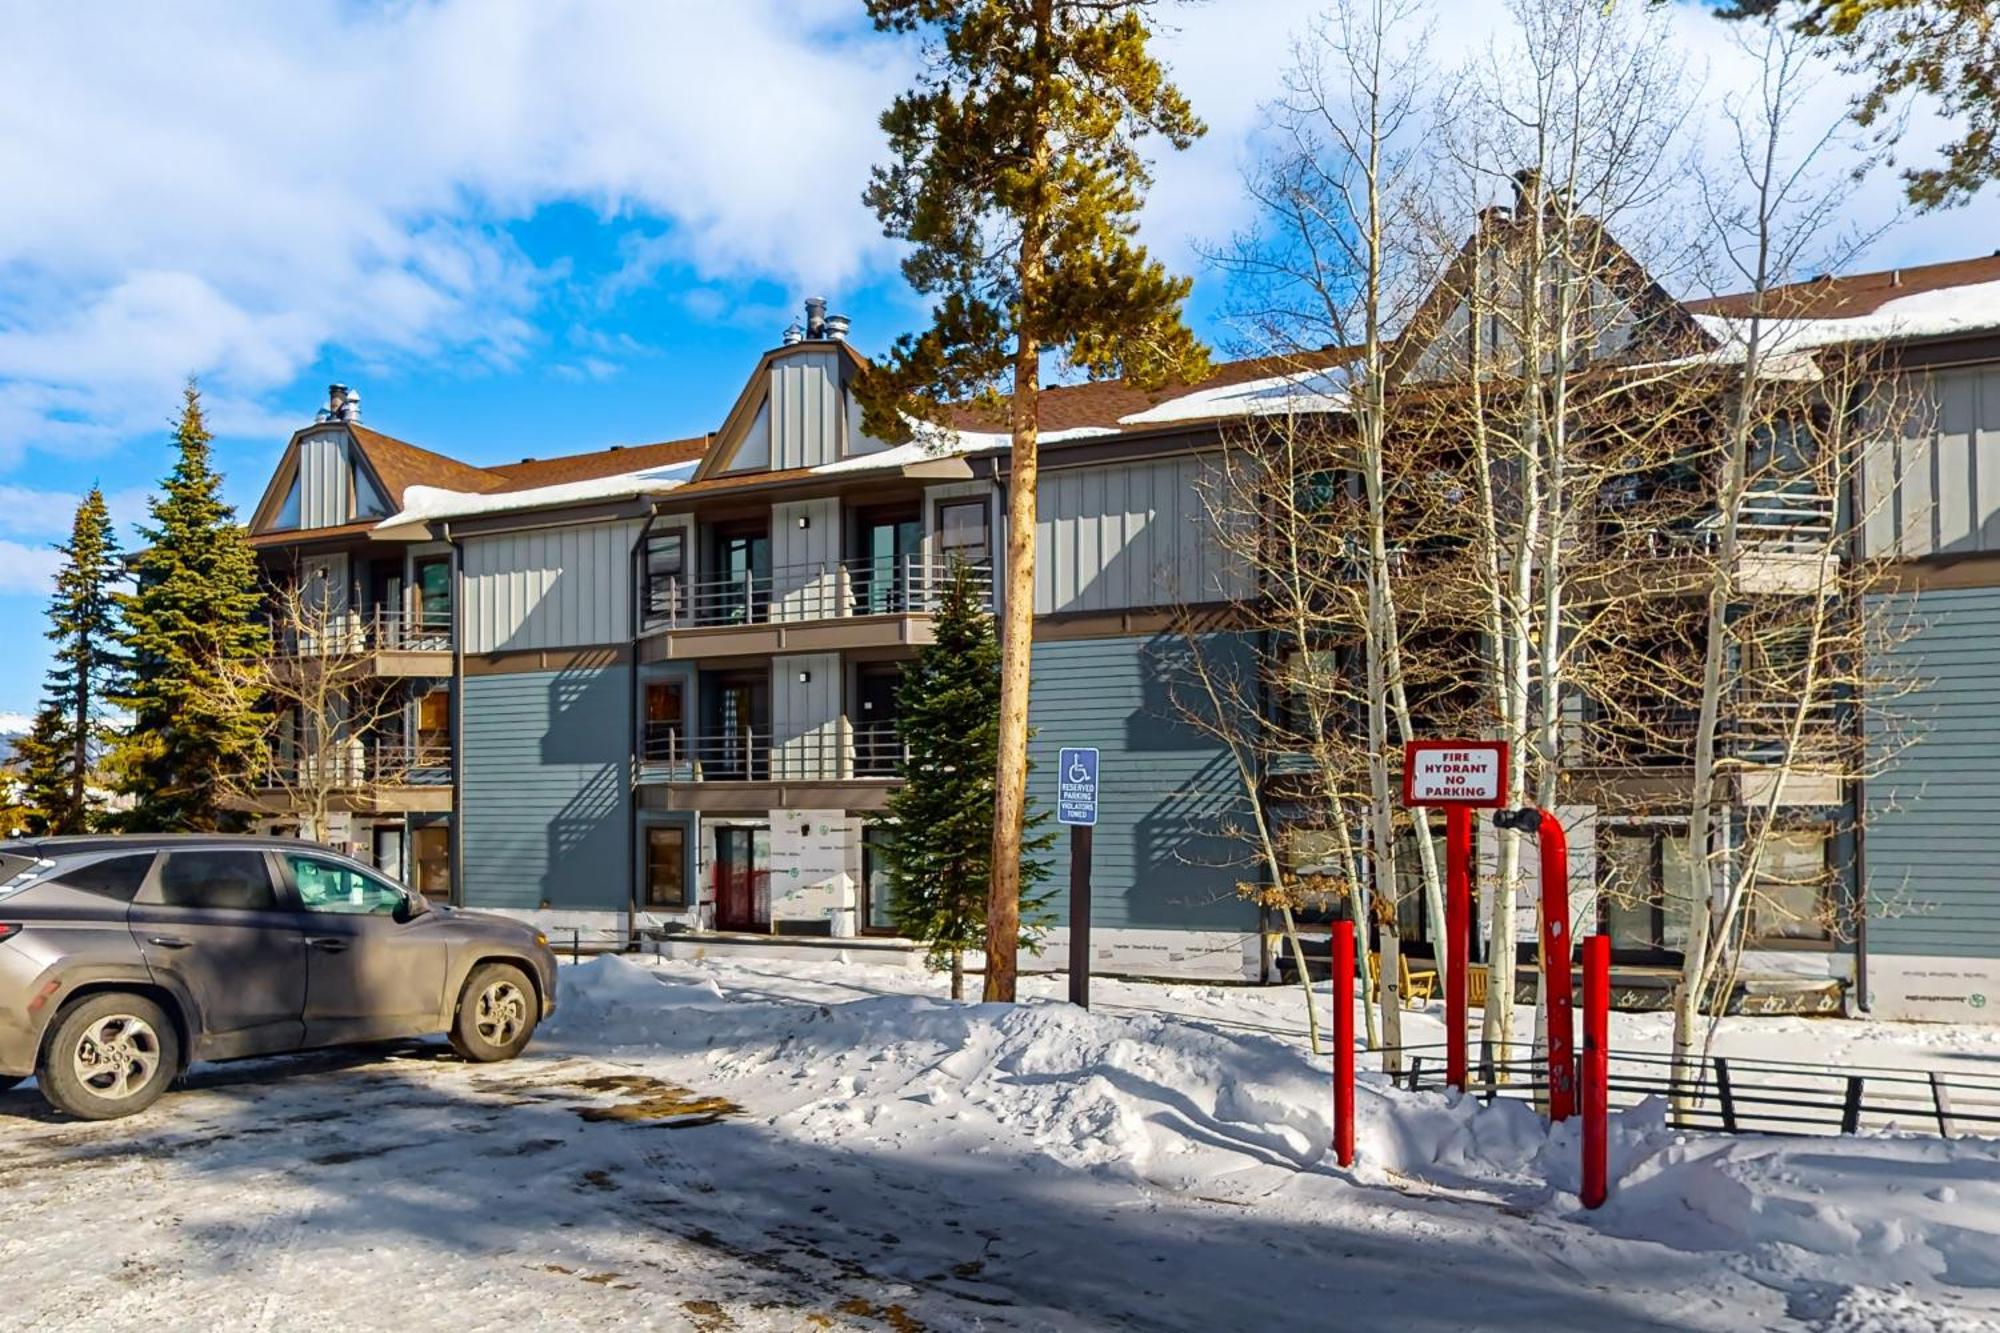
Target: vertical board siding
pixel 1934 487
pixel 1164 856
pixel 805 410
pixel 1130 535
pixel 325 500
pixel 804 561
pixel 545 790
pixel 1933 844
pixel 554 588
pixel 806 721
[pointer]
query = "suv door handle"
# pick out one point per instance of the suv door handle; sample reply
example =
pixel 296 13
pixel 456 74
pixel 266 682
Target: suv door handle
pixel 328 943
pixel 167 941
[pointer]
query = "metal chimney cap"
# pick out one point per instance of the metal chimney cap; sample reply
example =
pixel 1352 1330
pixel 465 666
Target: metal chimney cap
pixel 794 334
pixel 350 406
pixel 815 317
pixel 837 327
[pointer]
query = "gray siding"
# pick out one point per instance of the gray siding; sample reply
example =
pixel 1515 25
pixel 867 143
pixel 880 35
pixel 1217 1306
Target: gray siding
pixel 1129 535
pixel 556 588
pixel 805 410
pixel 325 483
pixel 1162 855
pixel 1933 841
pixel 805 715
pixel 545 792
pixel 1935 488
pixel 804 560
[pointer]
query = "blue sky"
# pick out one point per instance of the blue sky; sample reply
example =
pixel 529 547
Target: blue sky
pixel 518 227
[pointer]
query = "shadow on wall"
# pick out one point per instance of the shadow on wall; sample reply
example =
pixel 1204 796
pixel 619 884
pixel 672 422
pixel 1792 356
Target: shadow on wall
pixel 588 735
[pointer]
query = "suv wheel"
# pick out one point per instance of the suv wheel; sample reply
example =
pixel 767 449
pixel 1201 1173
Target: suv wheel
pixel 496 1014
pixel 109 1055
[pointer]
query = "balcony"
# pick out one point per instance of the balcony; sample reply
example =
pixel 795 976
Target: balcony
pixel 843 765
pixel 396 643
pixel 357 776
pixel 860 603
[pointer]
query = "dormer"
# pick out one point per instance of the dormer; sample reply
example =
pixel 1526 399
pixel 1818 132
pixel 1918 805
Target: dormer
pixel 325 479
pixel 797 410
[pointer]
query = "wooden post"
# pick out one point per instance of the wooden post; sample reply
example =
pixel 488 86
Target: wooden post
pixel 1343 1042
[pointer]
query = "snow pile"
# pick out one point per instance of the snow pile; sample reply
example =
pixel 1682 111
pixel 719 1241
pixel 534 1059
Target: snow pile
pixel 424 503
pixel 1858 1234
pixel 1966 309
pixel 1276 395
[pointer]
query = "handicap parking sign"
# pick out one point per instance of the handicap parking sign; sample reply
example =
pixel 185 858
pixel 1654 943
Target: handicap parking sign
pixel 1076 787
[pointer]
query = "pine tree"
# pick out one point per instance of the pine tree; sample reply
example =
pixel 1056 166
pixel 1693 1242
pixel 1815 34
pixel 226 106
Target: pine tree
pixel 193 645
pixel 1017 180
pixel 940 821
pixel 42 786
pixel 62 752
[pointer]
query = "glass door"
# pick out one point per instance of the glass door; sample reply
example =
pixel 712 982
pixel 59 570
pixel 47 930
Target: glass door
pixel 740 577
pixel 742 877
pixel 739 728
pixel 432 577
pixel 892 545
pixel 877 752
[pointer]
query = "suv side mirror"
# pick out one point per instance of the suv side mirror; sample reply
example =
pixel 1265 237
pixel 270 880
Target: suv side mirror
pixel 412 907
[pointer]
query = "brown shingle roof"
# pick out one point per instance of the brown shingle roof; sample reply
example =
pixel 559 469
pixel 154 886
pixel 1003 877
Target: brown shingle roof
pixel 1104 404
pixel 530 473
pixel 401 465
pixel 1857 294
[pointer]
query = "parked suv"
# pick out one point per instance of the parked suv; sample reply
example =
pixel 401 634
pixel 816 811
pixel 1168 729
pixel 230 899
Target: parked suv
pixel 124 960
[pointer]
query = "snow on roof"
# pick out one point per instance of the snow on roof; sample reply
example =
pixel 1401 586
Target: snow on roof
pixel 1969 308
pixel 1275 395
pixel 421 504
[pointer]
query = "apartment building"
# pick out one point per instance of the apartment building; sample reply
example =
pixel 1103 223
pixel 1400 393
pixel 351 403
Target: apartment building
pixel 654 687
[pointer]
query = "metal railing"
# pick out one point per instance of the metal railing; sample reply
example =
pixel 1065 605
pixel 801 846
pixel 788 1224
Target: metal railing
pixel 863 586
pixel 357 766
pixel 1752 1096
pixel 831 754
pixel 353 633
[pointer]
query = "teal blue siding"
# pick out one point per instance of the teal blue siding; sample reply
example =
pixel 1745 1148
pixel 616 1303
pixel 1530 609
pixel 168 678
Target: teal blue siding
pixel 545 797
pixel 1934 817
pixel 1163 854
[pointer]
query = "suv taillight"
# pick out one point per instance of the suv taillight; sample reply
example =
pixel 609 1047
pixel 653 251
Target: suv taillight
pixel 8 930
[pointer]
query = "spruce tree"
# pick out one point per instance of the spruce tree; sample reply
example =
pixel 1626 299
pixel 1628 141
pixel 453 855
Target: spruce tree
pixel 62 752
pixel 1016 175
pixel 41 796
pixel 940 821
pixel 193 645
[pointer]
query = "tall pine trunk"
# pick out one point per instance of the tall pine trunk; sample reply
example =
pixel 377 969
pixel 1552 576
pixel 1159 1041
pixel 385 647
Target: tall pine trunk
pixel 1017 628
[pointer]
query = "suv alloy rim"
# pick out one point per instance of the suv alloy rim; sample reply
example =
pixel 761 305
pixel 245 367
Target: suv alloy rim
pixel 501 1013
pixel 117 1056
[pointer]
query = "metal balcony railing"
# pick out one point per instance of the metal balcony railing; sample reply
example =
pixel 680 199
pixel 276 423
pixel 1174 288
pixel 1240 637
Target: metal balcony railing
pixel 354 633
pixel 864 586
pixel 357 766
pixel 832 754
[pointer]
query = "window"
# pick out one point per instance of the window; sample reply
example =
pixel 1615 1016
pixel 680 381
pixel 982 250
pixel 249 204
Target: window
pixel 328 886
pixel 226 881
pixel 434 722
pixel 666 575
pixel 878 915
pixel 114 877
pixel 368 501
pixel 1790 896
pixel 666 866
pixel 664 738
pixel 432 577
pixel 962 533
pixel 289 511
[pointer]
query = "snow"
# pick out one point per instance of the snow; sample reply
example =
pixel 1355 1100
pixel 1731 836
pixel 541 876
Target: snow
pixel 1965 309
pixel 749 1143
pixel 421 504
pixel 1276 395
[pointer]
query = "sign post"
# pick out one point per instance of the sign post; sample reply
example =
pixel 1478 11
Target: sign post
pixel 1076 806
pixel 1461 776
pixel 1553 846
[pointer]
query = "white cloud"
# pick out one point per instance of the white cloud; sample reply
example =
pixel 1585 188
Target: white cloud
pixel 26 567
pixel 228 190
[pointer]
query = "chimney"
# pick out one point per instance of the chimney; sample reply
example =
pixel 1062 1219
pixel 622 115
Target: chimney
pixel 1527 192
pixel 815 317
pixel 836 327
pixel 336 398
pixel 794 334
pixel 350 407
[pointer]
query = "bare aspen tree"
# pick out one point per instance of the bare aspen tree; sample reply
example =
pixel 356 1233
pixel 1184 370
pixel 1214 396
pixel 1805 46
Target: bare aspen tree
pixel 1790 640
pixel 328 715
pixel 1579 112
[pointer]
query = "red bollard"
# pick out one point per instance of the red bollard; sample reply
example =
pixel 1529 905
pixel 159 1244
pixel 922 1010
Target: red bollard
pixel 1596 1066
pixel 1458 937
pixel 1343 1042
pixel 1555 967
